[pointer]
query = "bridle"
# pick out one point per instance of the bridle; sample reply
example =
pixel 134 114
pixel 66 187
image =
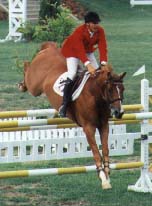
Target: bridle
pixel 116 84
pixel 107 97
pixel 113 82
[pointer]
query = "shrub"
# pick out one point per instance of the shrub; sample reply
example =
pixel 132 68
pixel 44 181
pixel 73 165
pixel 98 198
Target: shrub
pixel 49 9
pixel 27 31
pixel 55 29
pixel 50 29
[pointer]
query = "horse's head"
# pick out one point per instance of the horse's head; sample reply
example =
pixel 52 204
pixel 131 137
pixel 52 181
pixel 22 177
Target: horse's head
pixel 112 91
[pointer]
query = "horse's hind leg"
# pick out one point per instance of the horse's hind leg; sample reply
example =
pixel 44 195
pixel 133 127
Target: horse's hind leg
pixel 90 133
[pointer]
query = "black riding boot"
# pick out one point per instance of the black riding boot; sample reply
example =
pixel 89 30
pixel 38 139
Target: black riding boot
pixel 67 94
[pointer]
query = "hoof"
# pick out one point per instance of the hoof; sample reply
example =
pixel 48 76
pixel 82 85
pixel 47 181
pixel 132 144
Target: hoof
pixel 106 185
pixel 105 181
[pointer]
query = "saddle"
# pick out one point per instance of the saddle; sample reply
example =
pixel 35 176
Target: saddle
pixel 78 83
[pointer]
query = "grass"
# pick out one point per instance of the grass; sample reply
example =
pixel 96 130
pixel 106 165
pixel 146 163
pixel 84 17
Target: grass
pixel 77 189
pixel 129 38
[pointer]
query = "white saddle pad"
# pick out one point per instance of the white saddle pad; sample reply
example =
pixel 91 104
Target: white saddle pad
pixel 60 82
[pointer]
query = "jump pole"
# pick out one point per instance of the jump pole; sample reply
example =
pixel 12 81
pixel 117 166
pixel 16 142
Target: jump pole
pixel 29 113
pixel 59 126
pixel 39 123
pixel 53 112
pixel 136 116
pixel 133 107
pixel 41 127
pixel 62 171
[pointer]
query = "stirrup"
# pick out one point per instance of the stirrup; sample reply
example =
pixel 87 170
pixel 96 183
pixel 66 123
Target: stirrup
pixel 62 111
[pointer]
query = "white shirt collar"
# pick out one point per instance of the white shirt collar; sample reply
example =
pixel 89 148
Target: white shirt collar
pixel 91 34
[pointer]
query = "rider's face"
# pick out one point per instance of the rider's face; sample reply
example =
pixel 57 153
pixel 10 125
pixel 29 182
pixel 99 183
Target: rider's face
pixel 92 26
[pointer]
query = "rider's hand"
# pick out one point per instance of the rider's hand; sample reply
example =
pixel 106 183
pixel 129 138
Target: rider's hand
pixel 91 69
pixel 103 63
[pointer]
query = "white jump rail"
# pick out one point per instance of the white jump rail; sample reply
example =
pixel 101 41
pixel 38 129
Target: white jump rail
pixel 140 2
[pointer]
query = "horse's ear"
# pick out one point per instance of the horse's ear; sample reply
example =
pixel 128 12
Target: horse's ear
pixel 110 67
pixel 122 75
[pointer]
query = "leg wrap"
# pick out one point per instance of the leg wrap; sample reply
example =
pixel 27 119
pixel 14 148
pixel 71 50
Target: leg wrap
pixel 106 167
pixel 106 164
pixel 99 169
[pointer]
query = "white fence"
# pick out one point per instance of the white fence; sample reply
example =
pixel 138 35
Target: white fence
pixel 52 144
pixel 140 2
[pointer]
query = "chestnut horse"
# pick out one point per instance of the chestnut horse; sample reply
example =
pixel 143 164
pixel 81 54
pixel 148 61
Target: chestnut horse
pixel 100 98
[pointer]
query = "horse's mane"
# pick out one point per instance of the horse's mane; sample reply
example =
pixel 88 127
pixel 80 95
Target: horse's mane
pixel 109 69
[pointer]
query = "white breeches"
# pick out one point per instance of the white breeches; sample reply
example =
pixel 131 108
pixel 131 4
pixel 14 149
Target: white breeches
pixel 72 64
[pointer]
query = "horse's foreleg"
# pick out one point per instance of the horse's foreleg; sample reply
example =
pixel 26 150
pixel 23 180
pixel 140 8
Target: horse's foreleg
pixel 104 132
pixel 90 133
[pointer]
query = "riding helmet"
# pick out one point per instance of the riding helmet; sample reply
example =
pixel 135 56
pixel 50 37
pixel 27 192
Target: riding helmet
pixel 92 17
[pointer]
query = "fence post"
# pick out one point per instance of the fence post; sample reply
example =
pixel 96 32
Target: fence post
pixel 144 183
pixel 17 17
pixel 145 94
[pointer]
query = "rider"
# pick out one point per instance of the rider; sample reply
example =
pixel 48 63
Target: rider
pixel 80 45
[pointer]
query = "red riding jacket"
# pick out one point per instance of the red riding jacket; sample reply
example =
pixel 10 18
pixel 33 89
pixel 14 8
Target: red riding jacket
pixel 80 42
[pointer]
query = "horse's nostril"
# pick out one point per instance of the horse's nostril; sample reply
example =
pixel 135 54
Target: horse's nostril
pixel 118 115
pixel 116 112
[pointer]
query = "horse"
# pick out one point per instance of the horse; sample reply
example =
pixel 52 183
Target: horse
pixel 100 99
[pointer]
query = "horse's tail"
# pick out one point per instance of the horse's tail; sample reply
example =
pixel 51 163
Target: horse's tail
pixel 21 85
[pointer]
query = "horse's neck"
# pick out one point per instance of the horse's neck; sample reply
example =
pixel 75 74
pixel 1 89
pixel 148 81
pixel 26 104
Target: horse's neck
pixel 96 87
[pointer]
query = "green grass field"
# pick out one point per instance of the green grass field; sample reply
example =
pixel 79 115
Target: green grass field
pixel 129 38
pixel 69 190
